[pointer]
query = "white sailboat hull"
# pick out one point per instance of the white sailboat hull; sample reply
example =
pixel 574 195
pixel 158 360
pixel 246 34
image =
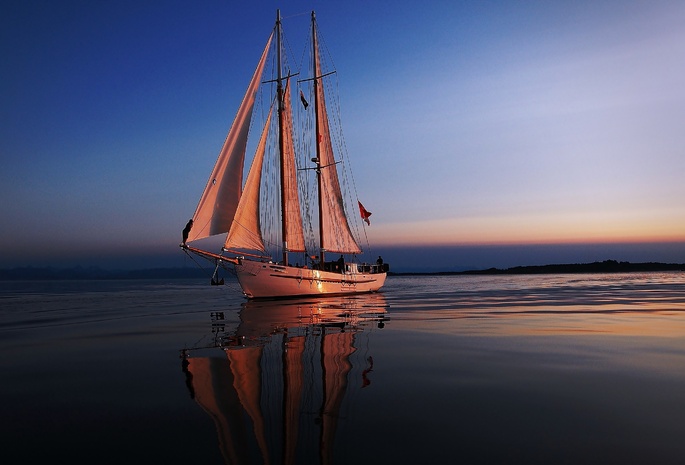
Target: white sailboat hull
pixel 270 280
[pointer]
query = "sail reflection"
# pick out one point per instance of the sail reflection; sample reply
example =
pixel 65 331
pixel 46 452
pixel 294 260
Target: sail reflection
pixel 275 381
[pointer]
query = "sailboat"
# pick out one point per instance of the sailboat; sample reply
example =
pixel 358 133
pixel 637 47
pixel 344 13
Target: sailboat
pixel 286 388
pixel 264 267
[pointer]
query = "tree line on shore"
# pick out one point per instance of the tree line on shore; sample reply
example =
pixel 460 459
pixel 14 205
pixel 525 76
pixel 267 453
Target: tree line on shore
pixel 606 266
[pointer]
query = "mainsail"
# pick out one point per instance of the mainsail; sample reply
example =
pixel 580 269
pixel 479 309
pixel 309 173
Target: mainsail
pixel 335 233
pixel 294 234
pixel 217 206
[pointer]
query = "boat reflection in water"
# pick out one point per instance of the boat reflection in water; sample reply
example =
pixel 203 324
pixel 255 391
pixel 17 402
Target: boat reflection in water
pixel 282 386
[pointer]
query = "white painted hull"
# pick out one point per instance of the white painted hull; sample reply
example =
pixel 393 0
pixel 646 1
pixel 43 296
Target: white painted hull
pixel 264 280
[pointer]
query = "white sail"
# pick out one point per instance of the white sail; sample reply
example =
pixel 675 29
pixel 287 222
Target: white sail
pixel 245 232
pixel 217 206
pixel 336 235
pixel 294 234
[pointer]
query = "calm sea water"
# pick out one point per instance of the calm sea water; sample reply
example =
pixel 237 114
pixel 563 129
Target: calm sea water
pixel 488 369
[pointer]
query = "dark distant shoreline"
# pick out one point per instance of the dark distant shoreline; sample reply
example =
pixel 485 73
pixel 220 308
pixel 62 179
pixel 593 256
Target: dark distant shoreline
pixel 607 266
pixel 95 273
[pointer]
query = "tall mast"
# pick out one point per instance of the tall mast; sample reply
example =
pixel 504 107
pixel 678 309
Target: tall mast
pixel 281 138
pixel 315 54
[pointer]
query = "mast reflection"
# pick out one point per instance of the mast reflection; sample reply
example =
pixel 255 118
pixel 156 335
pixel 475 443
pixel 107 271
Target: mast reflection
pixel 276 392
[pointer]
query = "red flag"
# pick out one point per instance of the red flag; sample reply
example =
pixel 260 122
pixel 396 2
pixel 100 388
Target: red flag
pixel 364 213
pixel 304 100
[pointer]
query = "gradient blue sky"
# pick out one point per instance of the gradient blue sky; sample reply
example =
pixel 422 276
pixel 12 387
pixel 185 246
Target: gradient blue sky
pixel 481 128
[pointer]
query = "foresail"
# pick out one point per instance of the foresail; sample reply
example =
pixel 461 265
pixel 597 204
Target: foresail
pixel 294 234
pixel 336 235
pixel 245 232
pixel 217 206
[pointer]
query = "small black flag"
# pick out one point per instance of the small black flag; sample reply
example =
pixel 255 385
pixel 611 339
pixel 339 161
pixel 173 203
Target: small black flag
pixel 304 100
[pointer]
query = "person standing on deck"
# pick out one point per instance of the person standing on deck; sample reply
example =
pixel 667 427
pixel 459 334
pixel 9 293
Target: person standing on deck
pixel 186 231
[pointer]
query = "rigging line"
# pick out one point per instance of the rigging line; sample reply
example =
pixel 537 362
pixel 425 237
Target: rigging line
pixel 338 136
pixel 322 46
pixel 211 276
pixel 287 49
pixel 348 174
pixel 196 345
pixel 193 259
pixel 296 15
pixel 245 228
pixel 304 150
